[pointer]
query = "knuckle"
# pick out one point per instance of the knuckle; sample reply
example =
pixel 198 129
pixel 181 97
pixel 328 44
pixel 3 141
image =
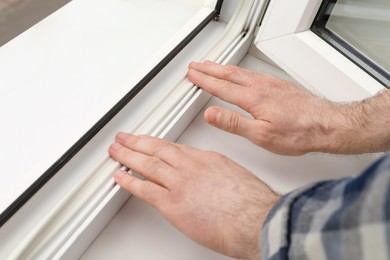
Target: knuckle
pixel 133 140
pixel 262 138
pixel 215 155
pixel 161 147
pixel 149 192
pixel 258 141
pixel 128 183
pixel 225 84
pixel 151 165
pixel 262 81
pixel 231 71
pixel 234 123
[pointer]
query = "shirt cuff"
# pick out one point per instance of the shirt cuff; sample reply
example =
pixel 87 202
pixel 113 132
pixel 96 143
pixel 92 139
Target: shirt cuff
pixel 275 234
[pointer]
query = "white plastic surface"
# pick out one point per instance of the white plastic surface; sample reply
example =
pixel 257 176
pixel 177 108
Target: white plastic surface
pixel 61 76
pixel 66 216
pixel 139 232
pixel 81 165
pixel 320 67
pixel 285 37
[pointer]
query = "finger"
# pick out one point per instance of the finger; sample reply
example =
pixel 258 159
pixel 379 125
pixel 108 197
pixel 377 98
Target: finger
pixel 225 90
pixel 145 190
pixel 152 146
pixel 150 167
pixel 226 72
pixel 229 121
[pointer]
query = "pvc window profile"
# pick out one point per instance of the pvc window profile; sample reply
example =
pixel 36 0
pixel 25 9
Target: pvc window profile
pixel 178 42
pixel 83 210
pixel 194 26
pixel 285 37
pixel 320 27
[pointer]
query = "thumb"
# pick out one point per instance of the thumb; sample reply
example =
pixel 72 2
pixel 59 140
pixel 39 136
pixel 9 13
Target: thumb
pixel 228 120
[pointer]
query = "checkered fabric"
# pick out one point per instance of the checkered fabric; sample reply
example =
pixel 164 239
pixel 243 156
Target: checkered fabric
pixel 337 219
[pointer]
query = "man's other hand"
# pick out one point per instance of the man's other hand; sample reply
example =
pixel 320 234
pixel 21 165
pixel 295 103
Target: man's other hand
pixel 210 198
pixel 286 119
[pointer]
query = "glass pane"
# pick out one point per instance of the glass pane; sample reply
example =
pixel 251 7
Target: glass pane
pixel 361 30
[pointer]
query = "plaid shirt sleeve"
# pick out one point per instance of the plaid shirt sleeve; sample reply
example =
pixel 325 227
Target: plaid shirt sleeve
pixel 337 219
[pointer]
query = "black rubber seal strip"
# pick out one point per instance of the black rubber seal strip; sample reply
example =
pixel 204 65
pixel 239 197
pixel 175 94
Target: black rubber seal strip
pixel 49 173
pixel 218 7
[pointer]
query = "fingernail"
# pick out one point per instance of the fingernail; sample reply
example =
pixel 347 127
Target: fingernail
pixel 116 146
pixel 121 135
pixel 217 115
pixel 118 175
pixel 209 62
pixel 194 64
pixel 214 115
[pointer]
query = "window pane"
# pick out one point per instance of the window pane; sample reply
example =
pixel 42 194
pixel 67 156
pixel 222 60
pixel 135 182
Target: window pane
pixel 360 30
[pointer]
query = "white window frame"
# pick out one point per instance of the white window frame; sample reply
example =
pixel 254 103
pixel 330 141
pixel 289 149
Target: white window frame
pixel 67 229
pixel 285 37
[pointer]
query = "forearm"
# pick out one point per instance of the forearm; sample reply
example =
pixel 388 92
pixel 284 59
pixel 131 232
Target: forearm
pixel 358 127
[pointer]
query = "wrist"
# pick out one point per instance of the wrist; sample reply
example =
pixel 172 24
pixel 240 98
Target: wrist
pixel 357 127
pixel 252 234
pixel 262 219
pixel 339 129
pixel 325 126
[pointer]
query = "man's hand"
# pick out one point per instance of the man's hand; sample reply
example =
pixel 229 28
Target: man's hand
pixel 286 118
pixel 211 199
